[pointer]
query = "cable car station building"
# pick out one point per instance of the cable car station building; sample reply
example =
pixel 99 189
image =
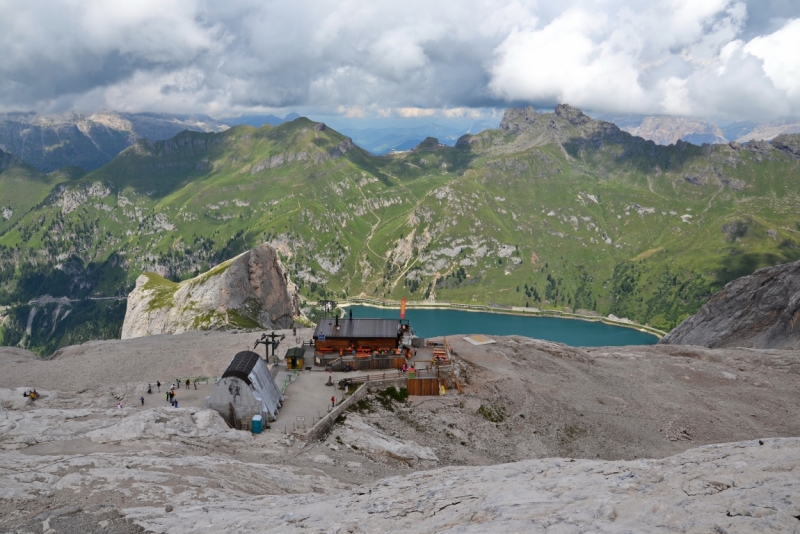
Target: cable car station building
pixel 362 343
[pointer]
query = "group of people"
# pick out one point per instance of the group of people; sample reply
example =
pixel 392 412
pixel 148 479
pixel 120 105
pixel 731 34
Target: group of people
pixel 408 368
pixel 172 397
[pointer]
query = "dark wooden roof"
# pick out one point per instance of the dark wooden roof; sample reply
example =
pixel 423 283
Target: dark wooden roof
pixel 296 352
pixel 241 365
pixel 357 328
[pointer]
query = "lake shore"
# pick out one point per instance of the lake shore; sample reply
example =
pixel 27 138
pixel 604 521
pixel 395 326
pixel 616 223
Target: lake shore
pixel 514 310
pixel 650 333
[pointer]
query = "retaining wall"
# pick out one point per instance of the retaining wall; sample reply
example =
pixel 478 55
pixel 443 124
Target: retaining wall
pixel 324 425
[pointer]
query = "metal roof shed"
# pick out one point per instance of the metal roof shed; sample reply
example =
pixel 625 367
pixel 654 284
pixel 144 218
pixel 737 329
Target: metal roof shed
pixel 248 387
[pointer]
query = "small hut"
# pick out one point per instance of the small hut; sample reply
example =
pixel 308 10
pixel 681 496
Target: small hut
pixel 245 389
pixel 295 358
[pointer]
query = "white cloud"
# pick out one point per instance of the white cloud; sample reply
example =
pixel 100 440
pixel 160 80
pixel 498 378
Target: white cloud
pixel 414 113
pixel 573 59
pixel 780 52
pixel 413 59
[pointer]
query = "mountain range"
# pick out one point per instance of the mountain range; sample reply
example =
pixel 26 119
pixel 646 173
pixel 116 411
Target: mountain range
pixel 381 141
pixel 550 210
pixel 49 142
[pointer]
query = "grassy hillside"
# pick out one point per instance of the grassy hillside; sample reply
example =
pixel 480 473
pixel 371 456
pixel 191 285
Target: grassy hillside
pixel 551 210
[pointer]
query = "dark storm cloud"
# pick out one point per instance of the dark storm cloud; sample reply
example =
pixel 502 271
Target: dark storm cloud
pixel 356 58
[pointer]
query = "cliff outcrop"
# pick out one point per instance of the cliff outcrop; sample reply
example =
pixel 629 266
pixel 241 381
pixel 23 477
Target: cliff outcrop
pixel 760 311
pixel 669 130
pixel 252 290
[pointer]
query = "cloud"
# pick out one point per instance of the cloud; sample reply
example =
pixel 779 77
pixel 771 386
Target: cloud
pixel 716 58
pixel 414 113
pixel 780 56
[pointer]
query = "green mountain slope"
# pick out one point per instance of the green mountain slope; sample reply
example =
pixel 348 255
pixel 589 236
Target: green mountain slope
pixel 550 210
pixel 22 187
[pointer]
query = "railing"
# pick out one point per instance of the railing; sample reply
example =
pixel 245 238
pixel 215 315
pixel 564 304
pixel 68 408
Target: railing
pixel 381 376
pixel 288 380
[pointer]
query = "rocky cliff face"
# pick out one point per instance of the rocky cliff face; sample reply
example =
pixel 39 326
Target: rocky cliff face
pixel 757 311
pixel 668 130
pixel 49 142
pixel 252 290
pixel 770 131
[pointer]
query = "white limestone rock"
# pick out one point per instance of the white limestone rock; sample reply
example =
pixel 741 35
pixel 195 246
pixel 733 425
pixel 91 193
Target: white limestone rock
pixel 357 433
pixel 734 487
pixel 252 290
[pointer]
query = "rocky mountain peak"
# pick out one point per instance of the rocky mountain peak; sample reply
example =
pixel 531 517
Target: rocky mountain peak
pixel 789 143
pixel 252 290
pixel 572 115
pixel 428 143
pixel 518 119
pixel 665 130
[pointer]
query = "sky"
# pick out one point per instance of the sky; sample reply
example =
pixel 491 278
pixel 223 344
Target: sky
pixel 360 60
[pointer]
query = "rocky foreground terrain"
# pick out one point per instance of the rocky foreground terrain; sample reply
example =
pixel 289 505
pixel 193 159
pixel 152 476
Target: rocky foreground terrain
pixel 760 311
pixel 544 438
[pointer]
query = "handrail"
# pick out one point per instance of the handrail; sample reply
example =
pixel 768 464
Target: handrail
pixel 288 380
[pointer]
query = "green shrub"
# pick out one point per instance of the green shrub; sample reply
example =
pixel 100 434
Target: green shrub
pixel 494 413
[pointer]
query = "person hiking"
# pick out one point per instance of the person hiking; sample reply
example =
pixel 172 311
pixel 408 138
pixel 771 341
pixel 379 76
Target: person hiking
pixel 141 399
pixel 166 396
pixel 158 384
pixel 187 383
pixel 333 402
pixel 149 388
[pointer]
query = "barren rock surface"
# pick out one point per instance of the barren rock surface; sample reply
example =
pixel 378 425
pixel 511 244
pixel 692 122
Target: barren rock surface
pixel 545 437
pixel 251 290
pixel 760 311
pixel 739 487
pixel 96 365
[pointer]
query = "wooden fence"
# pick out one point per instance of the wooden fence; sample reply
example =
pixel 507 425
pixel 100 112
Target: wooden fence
pixel 367 364
pixel 423 386
pixel 377 376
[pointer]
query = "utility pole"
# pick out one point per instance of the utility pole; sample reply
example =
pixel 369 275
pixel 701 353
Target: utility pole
pixel 271 339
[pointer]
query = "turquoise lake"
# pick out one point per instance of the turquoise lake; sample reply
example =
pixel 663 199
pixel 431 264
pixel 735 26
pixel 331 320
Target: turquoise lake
pixel 445 322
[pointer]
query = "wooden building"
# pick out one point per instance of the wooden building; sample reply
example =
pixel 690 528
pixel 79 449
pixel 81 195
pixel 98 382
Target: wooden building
pixel 295 358
pixel 340 337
